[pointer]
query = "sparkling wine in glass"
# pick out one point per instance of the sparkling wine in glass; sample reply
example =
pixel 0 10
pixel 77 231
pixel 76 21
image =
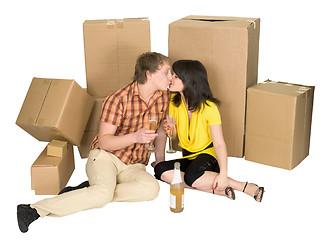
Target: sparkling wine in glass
pixel 170 133
pixel 152 125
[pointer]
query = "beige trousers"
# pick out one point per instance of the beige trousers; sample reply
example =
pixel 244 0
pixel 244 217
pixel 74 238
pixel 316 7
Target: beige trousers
pixel 110 181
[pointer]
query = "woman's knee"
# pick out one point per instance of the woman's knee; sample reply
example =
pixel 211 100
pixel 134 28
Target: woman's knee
pixel 161 171
pixel 190 178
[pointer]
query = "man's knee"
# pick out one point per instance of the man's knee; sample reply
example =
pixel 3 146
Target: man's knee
pixel 101 195
pixel 151 189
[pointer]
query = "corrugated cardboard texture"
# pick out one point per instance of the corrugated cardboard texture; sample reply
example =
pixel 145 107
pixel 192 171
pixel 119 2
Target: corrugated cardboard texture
pixel 94 119
pixel 111 50
pixel 86 140
pixel 50 174
pixel 228 47
pixel 278 123
pixel 55 109
pixel 92 127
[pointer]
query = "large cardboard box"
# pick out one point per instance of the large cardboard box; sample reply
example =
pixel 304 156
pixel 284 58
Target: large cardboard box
pixel 55 109
pixel 50 174
pixel 228 47
pixel 92 128
pixel 278 125
pixel 111 50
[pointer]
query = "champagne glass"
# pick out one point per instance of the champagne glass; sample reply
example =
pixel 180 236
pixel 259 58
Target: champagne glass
pixel 170 133
pixel 152 125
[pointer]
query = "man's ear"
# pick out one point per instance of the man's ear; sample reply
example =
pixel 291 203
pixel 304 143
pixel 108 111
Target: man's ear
pixel 148 75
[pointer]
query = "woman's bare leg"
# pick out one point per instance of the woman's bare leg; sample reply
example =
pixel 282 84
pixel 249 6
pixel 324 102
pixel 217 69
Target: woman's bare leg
pixel 204 183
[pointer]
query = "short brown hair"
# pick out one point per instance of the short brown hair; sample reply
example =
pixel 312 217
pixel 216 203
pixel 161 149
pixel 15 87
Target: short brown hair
pixel 149 61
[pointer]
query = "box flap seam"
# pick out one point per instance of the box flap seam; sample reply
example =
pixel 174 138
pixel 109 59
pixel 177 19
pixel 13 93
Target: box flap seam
pixel 44 99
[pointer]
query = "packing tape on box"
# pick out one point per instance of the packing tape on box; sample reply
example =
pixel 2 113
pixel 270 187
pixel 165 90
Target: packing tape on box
pixel 252 22
pixel 302 90
pixel 118 23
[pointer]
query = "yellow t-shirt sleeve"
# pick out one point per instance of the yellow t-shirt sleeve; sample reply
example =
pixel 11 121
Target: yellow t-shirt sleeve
pixel 212 114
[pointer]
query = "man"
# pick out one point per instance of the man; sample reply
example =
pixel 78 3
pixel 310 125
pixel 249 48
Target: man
pixel 116 163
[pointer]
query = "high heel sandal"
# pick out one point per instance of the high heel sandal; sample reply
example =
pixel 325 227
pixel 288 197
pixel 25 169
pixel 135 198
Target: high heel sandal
pixel 257 192
pixel 227 190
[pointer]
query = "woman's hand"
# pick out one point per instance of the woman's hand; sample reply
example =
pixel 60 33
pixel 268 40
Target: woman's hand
pixel 220 182
pixel 167 123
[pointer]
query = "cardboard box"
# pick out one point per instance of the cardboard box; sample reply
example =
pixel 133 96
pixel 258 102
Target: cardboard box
pixel 57 148
pixel 228 48
pixel 55 109
pixel 278 126
pixel 88 137
pixel 111 50
pixel 92 128
pixel 50 174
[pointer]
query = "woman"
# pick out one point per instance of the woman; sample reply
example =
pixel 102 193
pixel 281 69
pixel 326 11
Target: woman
pixel 199 130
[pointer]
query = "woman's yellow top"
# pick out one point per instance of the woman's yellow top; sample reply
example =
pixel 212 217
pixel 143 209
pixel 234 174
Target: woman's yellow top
pixel 195 136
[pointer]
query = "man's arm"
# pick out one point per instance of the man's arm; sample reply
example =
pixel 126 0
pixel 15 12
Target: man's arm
pixel 109 142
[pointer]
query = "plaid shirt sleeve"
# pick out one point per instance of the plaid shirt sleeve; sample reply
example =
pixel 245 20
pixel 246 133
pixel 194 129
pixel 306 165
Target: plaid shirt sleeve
pixel 112 110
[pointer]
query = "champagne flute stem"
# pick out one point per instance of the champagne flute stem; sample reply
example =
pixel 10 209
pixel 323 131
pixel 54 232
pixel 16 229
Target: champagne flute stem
pixel 170 143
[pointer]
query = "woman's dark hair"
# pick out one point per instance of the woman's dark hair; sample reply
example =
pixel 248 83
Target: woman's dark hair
pixel 196 87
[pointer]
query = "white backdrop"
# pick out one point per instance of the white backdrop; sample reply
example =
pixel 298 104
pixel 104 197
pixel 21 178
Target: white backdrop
pixel 45 39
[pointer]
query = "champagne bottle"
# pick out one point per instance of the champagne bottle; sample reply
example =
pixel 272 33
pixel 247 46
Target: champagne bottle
pixel 177 191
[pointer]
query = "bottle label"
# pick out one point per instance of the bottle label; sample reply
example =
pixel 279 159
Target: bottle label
pixel 172 201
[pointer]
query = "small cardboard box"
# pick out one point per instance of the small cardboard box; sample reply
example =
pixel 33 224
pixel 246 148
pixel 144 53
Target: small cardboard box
pixel 55 109
pixel 111 50
pixel 50 174
pixel 92 128
pixel 228 48
pixel 278 125
pixel 57 148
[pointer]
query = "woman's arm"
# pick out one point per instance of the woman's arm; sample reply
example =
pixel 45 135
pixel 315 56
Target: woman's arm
pixel 221 181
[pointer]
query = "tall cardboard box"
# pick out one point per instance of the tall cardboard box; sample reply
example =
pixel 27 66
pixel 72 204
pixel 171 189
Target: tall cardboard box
pixel 50 174
pixel 92 128
pixel 278 125
pixel 228 47
pixel 111 50
pixel 55 109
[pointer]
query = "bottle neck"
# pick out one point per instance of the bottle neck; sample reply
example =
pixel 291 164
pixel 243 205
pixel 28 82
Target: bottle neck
pixel 177 177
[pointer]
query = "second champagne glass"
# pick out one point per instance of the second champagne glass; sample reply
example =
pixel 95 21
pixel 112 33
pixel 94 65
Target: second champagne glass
pixel 170 133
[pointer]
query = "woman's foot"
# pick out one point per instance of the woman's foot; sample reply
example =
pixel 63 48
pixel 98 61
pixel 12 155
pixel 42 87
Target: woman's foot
pixel 229 192
pixel 254 191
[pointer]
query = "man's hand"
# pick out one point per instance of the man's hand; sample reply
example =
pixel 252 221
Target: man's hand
pixel 145 136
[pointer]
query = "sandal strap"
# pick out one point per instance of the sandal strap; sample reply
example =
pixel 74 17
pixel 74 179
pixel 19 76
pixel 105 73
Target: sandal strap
pixel 245 186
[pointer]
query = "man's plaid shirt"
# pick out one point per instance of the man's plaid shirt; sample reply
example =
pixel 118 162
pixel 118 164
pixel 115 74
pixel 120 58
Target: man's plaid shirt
pixel 126 110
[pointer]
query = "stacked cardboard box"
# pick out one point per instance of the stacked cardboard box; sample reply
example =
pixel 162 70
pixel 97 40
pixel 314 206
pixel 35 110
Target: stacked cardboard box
pixel 111 49
pixel 278 123
pixel 54 109
pixel 92 127
pixel 50 174
pixel 228 47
